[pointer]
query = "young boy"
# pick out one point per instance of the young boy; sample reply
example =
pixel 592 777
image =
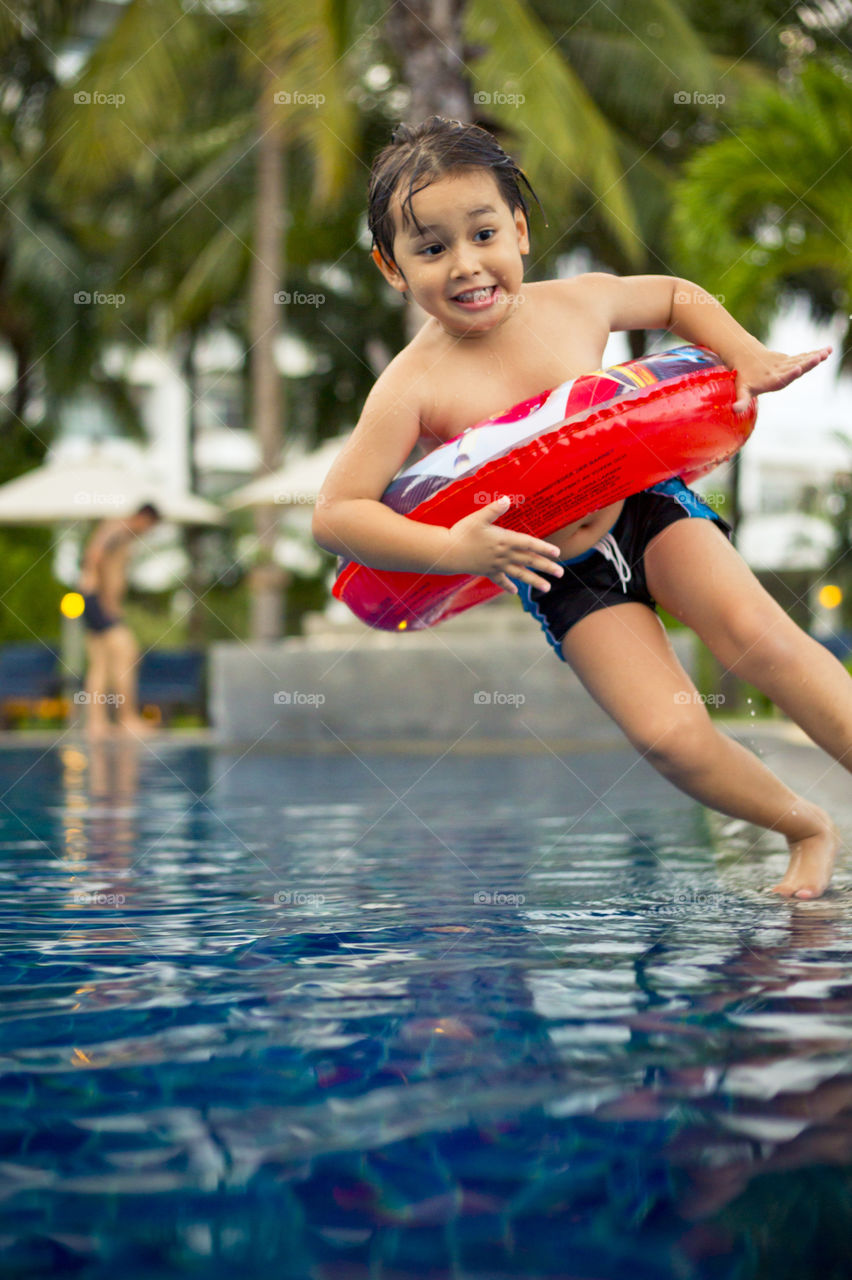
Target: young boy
pixel 450 227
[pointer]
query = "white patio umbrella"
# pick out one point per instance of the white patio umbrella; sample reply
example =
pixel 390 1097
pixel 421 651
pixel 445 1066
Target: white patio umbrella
pixel 92 489
pixel 295 484
pixel 788 540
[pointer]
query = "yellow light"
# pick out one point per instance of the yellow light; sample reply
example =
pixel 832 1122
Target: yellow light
pixel 72 604
pixel 402 625
pixel 830 596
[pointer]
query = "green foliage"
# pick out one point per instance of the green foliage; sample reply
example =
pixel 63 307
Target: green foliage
pixel 29 593
pixel 768 209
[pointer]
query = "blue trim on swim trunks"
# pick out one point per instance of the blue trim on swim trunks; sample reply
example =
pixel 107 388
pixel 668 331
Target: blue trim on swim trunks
pixel 531 607
pixel 691 502
pixel 584 555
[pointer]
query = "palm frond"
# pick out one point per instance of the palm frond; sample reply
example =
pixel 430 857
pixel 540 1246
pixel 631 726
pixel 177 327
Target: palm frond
pixel 523 82
pixel 131 93
pixel 306 56
pixel 773 200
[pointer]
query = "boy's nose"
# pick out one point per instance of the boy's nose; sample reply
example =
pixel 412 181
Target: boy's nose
pixel 465 262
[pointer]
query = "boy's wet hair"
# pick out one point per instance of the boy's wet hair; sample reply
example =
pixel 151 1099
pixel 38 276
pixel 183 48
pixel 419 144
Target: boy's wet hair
pixel 422 153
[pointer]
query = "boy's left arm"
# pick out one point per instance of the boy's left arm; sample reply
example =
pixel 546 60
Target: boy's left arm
pixel 667 302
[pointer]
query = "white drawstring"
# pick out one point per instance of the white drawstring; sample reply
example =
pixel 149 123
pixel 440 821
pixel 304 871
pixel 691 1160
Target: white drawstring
pixel 611 551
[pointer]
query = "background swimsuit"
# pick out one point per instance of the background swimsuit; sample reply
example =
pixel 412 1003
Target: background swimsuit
pixel 613 570
pixel 95 617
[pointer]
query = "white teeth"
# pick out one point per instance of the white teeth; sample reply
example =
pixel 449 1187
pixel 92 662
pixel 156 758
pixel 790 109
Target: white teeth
pixel 475 295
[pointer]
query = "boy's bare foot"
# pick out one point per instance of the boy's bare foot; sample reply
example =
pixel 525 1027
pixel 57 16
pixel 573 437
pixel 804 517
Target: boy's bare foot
pixel 811 859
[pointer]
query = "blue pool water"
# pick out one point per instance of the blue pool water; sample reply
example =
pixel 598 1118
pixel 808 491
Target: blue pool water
pixel 410 1016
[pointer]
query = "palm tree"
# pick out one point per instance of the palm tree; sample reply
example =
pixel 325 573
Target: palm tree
pixel 283 75
pixel 766 209
pixel 603 127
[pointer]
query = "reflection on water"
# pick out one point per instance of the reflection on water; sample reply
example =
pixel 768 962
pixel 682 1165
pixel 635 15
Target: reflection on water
pixel 396 1018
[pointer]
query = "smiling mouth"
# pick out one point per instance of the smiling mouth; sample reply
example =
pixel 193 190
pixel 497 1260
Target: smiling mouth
pixel 476 295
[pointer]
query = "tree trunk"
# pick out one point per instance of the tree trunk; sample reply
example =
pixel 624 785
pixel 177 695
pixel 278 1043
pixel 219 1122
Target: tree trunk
pixel 426 36
pixel 267 580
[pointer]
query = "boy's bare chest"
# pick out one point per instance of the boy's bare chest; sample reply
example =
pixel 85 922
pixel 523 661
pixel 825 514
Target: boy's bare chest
pixel 464 386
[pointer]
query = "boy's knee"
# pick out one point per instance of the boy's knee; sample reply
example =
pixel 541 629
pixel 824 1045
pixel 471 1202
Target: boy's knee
pixel 759 640
pixel 678 744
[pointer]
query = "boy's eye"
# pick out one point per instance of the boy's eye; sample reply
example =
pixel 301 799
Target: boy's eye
pixel 432 250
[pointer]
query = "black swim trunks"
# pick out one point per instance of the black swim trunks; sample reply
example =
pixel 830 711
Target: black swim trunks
pixel 95 617
pixel 613 570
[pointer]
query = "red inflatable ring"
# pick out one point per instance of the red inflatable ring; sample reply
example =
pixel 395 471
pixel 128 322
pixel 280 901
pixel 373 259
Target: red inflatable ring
pixel 560 456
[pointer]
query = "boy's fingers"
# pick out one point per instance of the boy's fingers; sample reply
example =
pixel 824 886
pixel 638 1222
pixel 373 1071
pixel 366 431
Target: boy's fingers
pixel 742 396
pixel 532 579
pixel 495 509
pixel 499 507
pixel 545 565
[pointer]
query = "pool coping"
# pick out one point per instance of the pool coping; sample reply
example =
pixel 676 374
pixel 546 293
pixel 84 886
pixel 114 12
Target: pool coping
pixel 767 728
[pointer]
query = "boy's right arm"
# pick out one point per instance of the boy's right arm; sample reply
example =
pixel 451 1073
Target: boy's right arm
pixel 351 520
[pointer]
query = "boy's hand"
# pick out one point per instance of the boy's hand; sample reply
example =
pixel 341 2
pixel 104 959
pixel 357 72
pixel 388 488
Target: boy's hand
pixel 481 547
pixel 770 371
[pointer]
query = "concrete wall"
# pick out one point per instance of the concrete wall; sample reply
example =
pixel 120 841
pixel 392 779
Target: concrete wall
pixel 470 686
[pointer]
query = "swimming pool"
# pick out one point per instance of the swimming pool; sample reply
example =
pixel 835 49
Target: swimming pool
pixel 410 1016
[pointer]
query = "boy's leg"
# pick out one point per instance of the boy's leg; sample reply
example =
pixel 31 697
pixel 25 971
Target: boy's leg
pixel 698 577
pixel 624 658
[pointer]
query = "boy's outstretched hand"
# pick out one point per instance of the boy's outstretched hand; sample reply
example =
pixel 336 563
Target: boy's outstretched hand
pixel 770 371
pixel 480 546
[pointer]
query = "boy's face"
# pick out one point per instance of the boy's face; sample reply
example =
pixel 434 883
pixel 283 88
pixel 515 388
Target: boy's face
pixel 466 270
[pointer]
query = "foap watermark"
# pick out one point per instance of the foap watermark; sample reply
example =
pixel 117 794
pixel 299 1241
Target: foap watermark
pixel 296 98
pixel 682 698
pixel 484 497
pixel 85 699
pixel 497 698
pixel 83 298
pixel 86 499
pixel 295 698
pixel 684 98
pixel 688 900
pixel 98 899
pixel 290 498
pixel 285 298
pixel 497 97
pixel 498 898
pixel 699 296
pixel 298 898
pixel 83 98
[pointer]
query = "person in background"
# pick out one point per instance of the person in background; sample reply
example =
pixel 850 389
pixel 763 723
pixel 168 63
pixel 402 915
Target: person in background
pixel 111 648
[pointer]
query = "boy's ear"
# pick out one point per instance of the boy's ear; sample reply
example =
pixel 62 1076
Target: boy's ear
pixel 389 270
pixel 523 231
